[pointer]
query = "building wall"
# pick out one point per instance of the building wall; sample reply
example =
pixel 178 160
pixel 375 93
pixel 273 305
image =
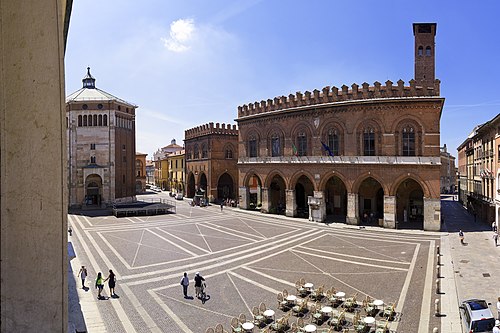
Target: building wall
pixel 140 173
pixel 34 261
pixel 176 171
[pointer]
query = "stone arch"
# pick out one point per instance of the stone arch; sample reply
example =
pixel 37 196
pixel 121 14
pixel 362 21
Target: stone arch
pixel 378 130
pixel 294 178
pixel 253 182
pixel 229 151
pixel 93 190
pixel 225 187
pixel 303 188
pixel 191 185
pixel 371 200
pixel 401 178
pixel 325 178
pixel 410 204
pixel 362 177
pixel 270 175
pixel 335 194
pixel 277 193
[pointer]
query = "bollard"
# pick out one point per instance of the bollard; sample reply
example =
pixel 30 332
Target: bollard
pixel 435 330
pixel 437 308
pixel 439 259
pixel 438 250
pixel 438 286
pixel 438 271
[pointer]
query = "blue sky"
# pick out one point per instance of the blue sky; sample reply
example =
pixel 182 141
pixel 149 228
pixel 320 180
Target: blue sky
pixel 190 62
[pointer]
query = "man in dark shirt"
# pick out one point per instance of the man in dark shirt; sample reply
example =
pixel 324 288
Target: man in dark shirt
pixel 197 283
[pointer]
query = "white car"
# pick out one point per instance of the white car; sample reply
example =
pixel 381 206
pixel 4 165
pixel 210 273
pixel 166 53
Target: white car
pixel 476 316
pixel 179 196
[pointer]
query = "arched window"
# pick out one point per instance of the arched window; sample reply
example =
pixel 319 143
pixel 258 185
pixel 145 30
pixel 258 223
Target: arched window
pixel 204 151
pixel 196 154
pixel 229 153
pixel 252 146
pixel 275 145
pixel 428 51
pixel 369 142
pixel 92 159
pixel 79 120
pixel 84 120
pixel 420 51
pixel 333 142
pixel 301 144
pixel 408 141
pixel 105 120
pixel 95 120
pixel 100 120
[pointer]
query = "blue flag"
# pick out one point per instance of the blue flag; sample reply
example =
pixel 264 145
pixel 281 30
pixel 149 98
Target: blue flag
pixel 330 152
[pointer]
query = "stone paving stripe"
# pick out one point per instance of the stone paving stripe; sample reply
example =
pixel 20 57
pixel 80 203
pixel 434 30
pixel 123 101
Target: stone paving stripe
pixel 230 231
pixel 351 261
pixel 238 291
pixel 406 285
pixel 450 321
pixel 269 276
pixel 174 244
pixel 184 241
pixel 425 312
pixel 250 227
pixel 265 245
pixel 358 257
pixel 138 246
pixel 169 312
pixel 140 309
pixel 257 284
pixel 220 263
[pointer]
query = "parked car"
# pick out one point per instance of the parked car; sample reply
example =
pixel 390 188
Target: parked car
pixel 476 316
pixel 179 196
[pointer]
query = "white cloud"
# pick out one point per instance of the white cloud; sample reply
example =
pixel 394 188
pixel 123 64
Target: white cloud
pixel 181 33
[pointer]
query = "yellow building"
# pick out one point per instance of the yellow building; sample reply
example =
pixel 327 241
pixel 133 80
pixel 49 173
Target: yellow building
pixel 140 172
pixel 176 171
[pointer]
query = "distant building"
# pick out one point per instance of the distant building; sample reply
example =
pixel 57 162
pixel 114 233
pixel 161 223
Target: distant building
pixel 176 171
pixel 150 172
pixel 211 158
pixel 478 161
pixel 360 154
pixel 101 147
pixel 161 164
pixel 140 173
pixel 448 171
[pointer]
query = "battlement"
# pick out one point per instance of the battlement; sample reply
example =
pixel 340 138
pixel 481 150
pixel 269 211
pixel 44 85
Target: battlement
pixel 206 129
pixel 334 94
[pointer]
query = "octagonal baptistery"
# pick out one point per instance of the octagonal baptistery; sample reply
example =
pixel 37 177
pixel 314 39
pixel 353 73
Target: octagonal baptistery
pixel 367 155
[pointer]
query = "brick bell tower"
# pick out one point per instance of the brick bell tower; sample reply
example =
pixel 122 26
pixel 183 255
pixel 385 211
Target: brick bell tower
pixel 425 34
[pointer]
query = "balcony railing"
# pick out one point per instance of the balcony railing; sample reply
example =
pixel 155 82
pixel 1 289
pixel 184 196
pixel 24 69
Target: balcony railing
pixel 393 160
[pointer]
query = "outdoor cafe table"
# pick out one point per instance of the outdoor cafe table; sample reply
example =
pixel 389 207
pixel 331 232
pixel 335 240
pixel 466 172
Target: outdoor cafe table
pixel 291 299
pixel 310 328
pixel 378 302
pixel 369 320
pixel 326 310
pixel 308 285
pixel 248 326
pixel 340 294
pixel 269 314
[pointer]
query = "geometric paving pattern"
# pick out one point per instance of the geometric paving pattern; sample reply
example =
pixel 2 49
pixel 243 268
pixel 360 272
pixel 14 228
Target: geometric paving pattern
pixel 247 259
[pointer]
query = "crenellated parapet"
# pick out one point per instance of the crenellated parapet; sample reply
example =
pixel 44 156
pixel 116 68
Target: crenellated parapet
pixel 344 93
pixel 210 128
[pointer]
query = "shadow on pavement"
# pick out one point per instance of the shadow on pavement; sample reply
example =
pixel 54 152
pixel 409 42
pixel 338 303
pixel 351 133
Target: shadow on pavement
pixel 455 218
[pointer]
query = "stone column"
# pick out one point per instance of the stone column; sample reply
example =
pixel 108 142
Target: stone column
pixel 317 207
pixel 432 214
pixel 291 206
pixel 265 200
pixel 34 193
pixel 389 211
pixel 352 208
pixel 259 195
pixel 244 196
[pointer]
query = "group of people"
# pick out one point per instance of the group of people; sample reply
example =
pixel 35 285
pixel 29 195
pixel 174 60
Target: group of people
pixel 199 285
pixel 99 282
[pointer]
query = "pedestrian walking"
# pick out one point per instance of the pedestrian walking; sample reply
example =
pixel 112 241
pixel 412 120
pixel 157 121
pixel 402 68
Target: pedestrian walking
pixel 461 236
pixel 99 285
pixel 495 238
pixel 197 284
pixel 496 329
pixel 185 284
pixel 111 283
pixel 221 205
pixel 494 226
pixel 82 273
pixel 498 308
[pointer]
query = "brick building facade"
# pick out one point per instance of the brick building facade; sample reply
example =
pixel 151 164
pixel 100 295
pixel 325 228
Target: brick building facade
pixel 100 146
pixel 363 155
pixel 448 171
pixel 211 157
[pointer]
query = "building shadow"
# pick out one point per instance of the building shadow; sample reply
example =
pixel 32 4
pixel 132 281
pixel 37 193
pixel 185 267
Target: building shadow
pixel 76 321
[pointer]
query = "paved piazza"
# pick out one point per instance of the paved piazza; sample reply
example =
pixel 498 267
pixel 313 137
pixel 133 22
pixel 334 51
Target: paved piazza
pixel 246 258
